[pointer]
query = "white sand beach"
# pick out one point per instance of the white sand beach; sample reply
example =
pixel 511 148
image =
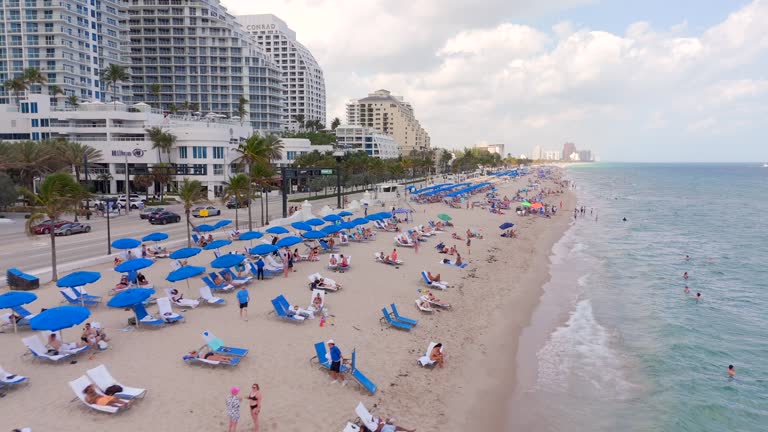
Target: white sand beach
pixel 492 298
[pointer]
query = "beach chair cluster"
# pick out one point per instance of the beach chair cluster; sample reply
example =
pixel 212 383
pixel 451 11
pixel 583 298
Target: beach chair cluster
pixel 269 270
pixel 181 302
pixel 166 315
pixel 318 281
pixel 381 258
pixel 284 311
pixel 78 296
pixel 403 240
pixel 102 380
pixel 394 319
pixel 324 361
pixel 220 354
pixel 336 266
pixel 443 285
pixel 5 319
pixel 36 346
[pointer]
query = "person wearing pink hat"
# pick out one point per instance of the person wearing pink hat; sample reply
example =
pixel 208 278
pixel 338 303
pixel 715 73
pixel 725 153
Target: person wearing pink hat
pixel 233 408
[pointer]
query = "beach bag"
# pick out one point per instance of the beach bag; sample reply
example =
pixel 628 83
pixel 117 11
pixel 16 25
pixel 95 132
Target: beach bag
pixel 103 345
pixel 113 390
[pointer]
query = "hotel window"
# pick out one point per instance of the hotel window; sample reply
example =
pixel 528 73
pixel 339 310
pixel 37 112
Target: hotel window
pixel 182 152
pixel 218 169
pixel 291 155
pixel 218 152
pixel 199 152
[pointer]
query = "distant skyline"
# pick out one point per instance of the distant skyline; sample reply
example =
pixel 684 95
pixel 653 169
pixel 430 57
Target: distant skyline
pixel 675 80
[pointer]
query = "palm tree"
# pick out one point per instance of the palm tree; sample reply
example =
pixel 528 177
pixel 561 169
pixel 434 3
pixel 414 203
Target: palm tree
pixel 155 90
pixel 55 91
pixel 300 120
pixel 73 154
pixel 113 75
pixel 33 158
pixel 173 109
pixel 161 173
pixel 335 123
pixel 143 181
pixel 242 111
pixel 194 107
pixel 17 86
pixel 257 150
pixel 162 141
pixel 73 101
pixel 190 193
pixel 59 193
pixel 33 76
pixel 238 187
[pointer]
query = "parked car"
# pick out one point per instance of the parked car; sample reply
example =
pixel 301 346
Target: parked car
pixel 44 227
pixel 148 212
pixel 165 217
pixel 233 203
pixel 212 211
pixel 135 202
pixel 72 228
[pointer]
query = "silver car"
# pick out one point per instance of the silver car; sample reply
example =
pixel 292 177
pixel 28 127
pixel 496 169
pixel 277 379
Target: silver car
pixel 72 228
pixel 212 211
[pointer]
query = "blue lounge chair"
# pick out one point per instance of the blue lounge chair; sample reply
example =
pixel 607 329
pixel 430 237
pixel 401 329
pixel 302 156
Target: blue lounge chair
pixel 72 298
pixel 192 359
pixel 361 378
pixel 195 239
pixel 282 312
pixel 326 247
pixel 393 323
pixel 217 345
pixel 235 277
pixel 267 273
pixel 323 360
pixel 145 318
pixel 412 322
pixel 223 287
pixel 24 314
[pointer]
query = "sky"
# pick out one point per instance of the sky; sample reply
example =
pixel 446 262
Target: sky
pixel 651 80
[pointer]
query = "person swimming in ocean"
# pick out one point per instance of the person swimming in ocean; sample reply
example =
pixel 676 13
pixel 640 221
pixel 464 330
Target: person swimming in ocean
pixel 731 371
pixel 687 258
pixel 687 290
pixel 698 296
pixel 685 275
pixel 624 219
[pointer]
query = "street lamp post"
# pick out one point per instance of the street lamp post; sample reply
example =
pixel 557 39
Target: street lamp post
pixel 87 184
pixel 127 188
pixel 107 207
pixel 338 155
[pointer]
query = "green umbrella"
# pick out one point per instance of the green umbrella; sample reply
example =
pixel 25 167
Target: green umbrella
pixel 526 204
pixel 444 217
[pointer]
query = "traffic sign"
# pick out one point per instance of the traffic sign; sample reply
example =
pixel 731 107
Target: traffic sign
pixel 326 171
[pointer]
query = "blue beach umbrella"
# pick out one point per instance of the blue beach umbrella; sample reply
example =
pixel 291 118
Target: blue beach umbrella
pixel 277 230
pixel 385 215
pixel 506 225
pixel 227 261
pixel 155 237
pixel 217 244
pixel 262 249
pixel 345 213
pixel 134 265
pixel 302 226
pixel 79 278
pixel 288 241
pixel 185 272
pixel 250 235
pixel 315 222
pixel 59 318
pixel 361 221
pixel 347 225
pixel 313 235
pixel 126 243
pixel 222 223
pixel 205 228
pixel 373 217
pixel 12 299
pixel 130 297
pixel 330 229
pixel 185 253
pixel 332 218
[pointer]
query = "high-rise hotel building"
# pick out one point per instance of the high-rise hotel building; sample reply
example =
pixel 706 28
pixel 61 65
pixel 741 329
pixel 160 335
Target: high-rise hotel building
pixel 68 41
pixel 203 59
pixel 303 80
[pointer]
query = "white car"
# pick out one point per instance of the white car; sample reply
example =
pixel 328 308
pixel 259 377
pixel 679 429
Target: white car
pixel 135 202
pixel 212 211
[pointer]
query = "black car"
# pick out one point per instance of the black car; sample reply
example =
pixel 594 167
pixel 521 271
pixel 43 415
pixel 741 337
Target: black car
pixel 148 213
pixel 234 203
pixel 163 218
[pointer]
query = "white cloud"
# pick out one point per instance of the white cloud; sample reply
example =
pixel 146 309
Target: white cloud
pixel 474 74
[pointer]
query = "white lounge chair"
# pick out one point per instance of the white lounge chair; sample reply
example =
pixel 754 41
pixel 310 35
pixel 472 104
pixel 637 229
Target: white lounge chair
pixel 165 311
pixel 207 295
pixel 38 349
pixel 423 308
pixel 370 422
pixel 424 360
pixel 7 378
pixel 103 379
pixel 315 293
pixel 380 258
pixel 351 427
pixel 328 284
pixel 182 302
pixel 269 259
pixel 403 241
pixel 80 384
pixel 443 285
pixel 176 264
pixel 436 303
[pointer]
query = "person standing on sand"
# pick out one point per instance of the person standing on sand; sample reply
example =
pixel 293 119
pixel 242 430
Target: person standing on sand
pixel 336 359
pixel 254 399
pixel 233 408
pixel 469 243
pixel 242 298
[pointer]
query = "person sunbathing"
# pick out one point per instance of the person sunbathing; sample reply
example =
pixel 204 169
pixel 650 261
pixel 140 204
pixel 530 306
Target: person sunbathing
pixel 317 302
pixel 159 250
pixel 92 336
pixel 117 261
pixel 295 310
pixel 93 398
pixel 218 280
pixel 453 250
pixel 331 242
pixel 212 356
pixel 209 239
pixel 424 304
pixel 235 234
pixel 433 278
pixel 458 260
pixel 431 297
pixel 57 346
pixel 141 279
pixel 456 236
pixel 314 254
pixel 344 262
pixel 436 355
pixel 321 283
pixel 333 261
pixel 231 281
pixel 123 284
pixel 389 426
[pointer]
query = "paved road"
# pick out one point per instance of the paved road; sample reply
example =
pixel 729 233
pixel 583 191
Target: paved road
pixel 33 254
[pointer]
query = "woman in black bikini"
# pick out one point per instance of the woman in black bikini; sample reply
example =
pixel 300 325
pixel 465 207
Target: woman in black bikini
pixel 254 399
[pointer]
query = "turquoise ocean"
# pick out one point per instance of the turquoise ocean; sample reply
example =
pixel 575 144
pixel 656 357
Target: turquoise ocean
pixel 616 344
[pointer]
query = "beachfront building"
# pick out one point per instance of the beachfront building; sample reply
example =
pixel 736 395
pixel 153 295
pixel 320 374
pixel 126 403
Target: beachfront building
pixel 585 155
pixel 552 155
pixel 537 153
pixel 204 150
pixel 370 140
pixel 491 148
pixel 295 147
pixel 391 115
pixel 568 149
pixel 303 80
pixel 194 57
pixel 70 42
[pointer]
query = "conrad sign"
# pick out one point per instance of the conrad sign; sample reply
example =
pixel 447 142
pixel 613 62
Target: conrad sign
pixel 258 27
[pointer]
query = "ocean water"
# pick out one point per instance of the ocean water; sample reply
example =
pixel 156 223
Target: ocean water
pixel 616 344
